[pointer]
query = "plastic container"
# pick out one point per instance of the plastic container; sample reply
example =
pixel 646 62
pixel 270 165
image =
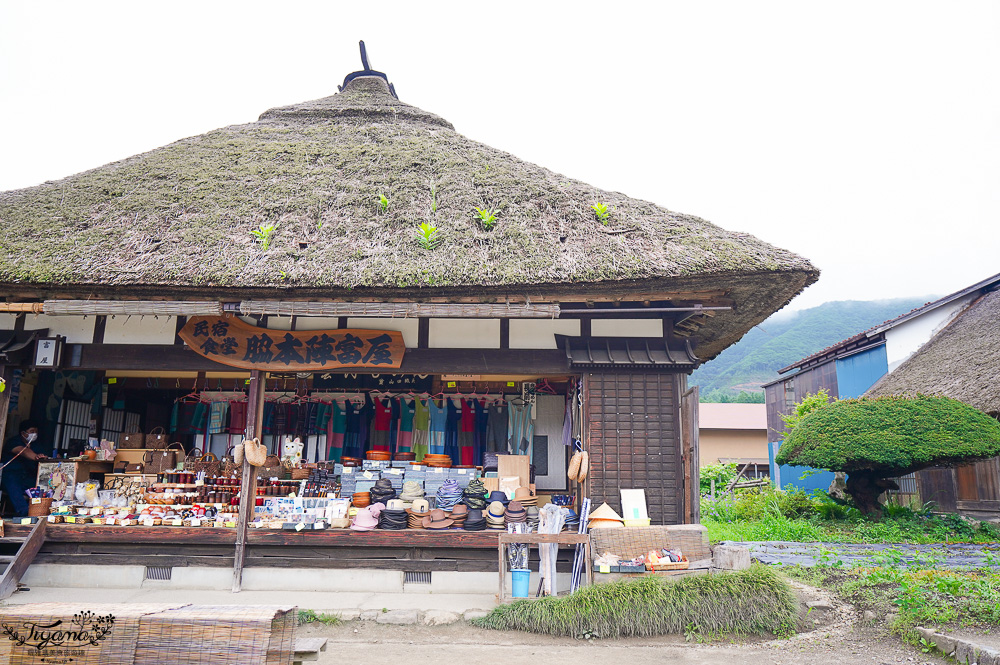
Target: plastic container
pixel 519 583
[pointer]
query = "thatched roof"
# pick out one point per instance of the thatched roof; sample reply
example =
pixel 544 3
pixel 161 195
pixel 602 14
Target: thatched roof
pixel 178 219
pixel 962 361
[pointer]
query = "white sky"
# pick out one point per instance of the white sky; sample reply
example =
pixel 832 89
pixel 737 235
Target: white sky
pixel 864 135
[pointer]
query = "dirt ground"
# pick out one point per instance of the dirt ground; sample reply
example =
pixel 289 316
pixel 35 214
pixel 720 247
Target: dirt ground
pixel 834 636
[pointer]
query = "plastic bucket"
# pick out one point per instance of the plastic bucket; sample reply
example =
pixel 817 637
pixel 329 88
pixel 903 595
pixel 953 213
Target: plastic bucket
pixel 519 583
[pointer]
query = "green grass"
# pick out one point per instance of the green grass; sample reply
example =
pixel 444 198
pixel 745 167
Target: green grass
pixel 757 601
pixel 310 616
pixel 914 596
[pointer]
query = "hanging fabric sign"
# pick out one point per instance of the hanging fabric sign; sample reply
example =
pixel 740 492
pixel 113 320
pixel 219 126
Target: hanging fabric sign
pixel 230 341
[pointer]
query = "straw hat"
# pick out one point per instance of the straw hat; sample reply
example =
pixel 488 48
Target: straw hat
pixel 584 467
pixel 574 465
pixel 438 519
pixel 496 510
pixel 604 512
pixel 395 504
pixel 420 507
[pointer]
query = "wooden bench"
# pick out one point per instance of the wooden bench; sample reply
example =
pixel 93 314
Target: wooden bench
pixel 308 649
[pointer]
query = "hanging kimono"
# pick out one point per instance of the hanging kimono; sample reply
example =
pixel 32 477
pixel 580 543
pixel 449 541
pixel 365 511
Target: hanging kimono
pixel 336 430
pixel 394 417
pixel 365 417
pixel 497 428
pixel 522 429
pixel 421 429
pixel 467 434
pixel 438 425
pixel 406 416
pixel 453 423
pixel 352 431
pixel 379 437
pixel 481 424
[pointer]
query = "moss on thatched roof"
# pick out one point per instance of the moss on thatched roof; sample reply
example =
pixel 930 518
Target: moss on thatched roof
pixel 962 361
pixel 178 219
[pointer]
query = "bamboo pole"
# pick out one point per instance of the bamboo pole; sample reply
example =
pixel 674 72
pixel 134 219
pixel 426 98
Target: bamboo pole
pixel 30 307
pixel 248 486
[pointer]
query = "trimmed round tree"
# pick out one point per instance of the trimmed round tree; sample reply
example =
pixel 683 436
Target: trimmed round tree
pixel 876 439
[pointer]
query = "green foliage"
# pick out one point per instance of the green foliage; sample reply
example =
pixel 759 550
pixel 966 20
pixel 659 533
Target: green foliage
pixel 787 337
pixel 770 514
pixel 310 616
pixel 383 203
pixel 487 217
pixel 720 396
pixel 722 474
pixel 263 234
pixel 428 236
pixel 915 593
pixel 808 404
pixel 891 435
pixel 756 601
pixel 602 212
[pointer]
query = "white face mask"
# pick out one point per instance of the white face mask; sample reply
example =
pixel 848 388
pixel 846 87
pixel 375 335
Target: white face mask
pixel 32 437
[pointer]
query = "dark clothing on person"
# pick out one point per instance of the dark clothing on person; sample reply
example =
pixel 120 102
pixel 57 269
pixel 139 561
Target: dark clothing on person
pixel 18 475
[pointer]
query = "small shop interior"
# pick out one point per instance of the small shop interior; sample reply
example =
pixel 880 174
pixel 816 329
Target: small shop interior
pixel 336 444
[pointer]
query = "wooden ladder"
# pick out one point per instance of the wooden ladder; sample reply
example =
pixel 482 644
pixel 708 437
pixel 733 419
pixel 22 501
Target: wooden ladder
pixel 14 565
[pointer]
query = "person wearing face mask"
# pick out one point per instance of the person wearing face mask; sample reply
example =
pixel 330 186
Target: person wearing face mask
pixel 20 465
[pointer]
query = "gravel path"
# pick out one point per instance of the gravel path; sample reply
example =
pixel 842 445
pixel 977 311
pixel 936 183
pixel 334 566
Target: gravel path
pixel 937 556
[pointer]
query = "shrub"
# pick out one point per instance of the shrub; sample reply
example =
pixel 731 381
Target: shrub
pixel 722 474
pixel 874 439
pixel 756 601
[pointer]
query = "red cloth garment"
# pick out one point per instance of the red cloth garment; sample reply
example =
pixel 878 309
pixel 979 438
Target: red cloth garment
pixel 466 434
pixel 238 418
pixel 383 421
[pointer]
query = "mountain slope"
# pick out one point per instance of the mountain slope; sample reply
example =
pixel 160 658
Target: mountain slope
pixel 786 337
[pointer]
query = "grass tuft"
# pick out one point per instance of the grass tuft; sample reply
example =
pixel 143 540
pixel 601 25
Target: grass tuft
pixel 756 601
pixel 311 616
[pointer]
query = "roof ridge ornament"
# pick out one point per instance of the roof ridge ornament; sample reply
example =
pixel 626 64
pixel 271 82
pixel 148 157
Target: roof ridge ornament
pixel 367 71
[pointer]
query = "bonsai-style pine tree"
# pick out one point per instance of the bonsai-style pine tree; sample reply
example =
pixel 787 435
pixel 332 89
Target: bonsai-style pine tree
pixel 874 440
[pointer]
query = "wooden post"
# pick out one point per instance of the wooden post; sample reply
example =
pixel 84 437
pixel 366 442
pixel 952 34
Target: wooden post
pixel 248 486
pixel 689 452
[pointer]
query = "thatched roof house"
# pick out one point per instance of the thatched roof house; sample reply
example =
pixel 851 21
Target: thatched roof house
pixel 177 221
pixel 962 361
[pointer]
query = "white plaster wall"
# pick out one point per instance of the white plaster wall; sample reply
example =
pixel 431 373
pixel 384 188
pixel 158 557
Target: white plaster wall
pixel 316 323
pixel 7 321
pixel 408 327
pixel 122 329
pixel 903 340
pixel 626 328
pixel 464 334
pixel 540 333
pixel 76 329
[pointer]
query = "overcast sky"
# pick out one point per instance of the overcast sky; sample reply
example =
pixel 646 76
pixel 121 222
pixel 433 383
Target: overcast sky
pixel 864 135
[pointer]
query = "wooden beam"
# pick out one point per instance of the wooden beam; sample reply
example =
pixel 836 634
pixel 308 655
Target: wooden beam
pixel 535 362
pixel 248 487
pixel 25 555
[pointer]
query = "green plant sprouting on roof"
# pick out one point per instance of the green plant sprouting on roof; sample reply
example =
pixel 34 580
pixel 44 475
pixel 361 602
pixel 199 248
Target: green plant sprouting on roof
pixel 383 203
pixel 428 236
pixel 263 234
pixel 487 217
pixel 602 212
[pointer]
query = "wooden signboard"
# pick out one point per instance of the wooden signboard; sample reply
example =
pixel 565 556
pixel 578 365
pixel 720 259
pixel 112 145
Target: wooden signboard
pixel 230 341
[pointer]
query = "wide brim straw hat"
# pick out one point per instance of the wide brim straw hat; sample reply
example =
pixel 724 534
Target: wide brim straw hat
pixel 584 467
pixel 496 510
pixel 395 504
pixel 420 507
pixel 438 519
pixel 604 512
pixel 574 465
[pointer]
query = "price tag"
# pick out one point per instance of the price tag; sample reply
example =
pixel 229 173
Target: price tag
pixel 394 472
pixel 331 495
pixel 452 384
pixel 230 524
pixel 35 501
pixel 368 475
pixel 112 381
pixel 300 526
pixel 110 521
pixel 71 520
pixel 52 519
pixel 177 522
pixel 199 483
pixel 25 520
pixel 96 510
pixel 605 569
pixel 195 521
pixel 147 522
pixel 511 384
pixel 348 469
pixel 438 469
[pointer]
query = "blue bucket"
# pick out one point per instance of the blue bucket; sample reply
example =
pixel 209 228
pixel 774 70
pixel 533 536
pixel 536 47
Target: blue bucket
pixel 519 583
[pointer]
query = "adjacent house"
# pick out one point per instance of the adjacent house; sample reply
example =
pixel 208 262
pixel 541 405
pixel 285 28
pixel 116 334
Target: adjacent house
pixel 851 367
pixel 734 433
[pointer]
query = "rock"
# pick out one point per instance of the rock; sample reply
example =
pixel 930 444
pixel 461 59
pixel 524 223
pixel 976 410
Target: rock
pixel 369 615
pixel 398 617
pixel 474 614
pixel 869 615
pixel 439 617
pixel 819 605
pixel 347 615
pixel 731 557
pixel 838 488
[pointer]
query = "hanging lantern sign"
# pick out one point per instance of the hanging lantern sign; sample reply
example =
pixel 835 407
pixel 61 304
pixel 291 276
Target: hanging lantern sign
pixel 231 341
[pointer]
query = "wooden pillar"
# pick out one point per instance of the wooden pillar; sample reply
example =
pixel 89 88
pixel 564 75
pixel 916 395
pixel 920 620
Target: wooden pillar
pixel 248 486
pixel 692 462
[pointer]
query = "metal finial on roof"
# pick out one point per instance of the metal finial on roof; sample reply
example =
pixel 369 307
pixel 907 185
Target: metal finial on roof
pixel 367 71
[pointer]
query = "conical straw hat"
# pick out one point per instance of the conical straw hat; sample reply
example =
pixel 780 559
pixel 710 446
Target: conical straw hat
pixel 604 512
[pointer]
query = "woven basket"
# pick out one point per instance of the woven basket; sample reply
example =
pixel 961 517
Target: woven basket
pixel 132 440
pixel 299 474
pixel 229 465
pixel 158 461
pixel 272 468
pixel 157 439
pixel 197 461
pixel 40 509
